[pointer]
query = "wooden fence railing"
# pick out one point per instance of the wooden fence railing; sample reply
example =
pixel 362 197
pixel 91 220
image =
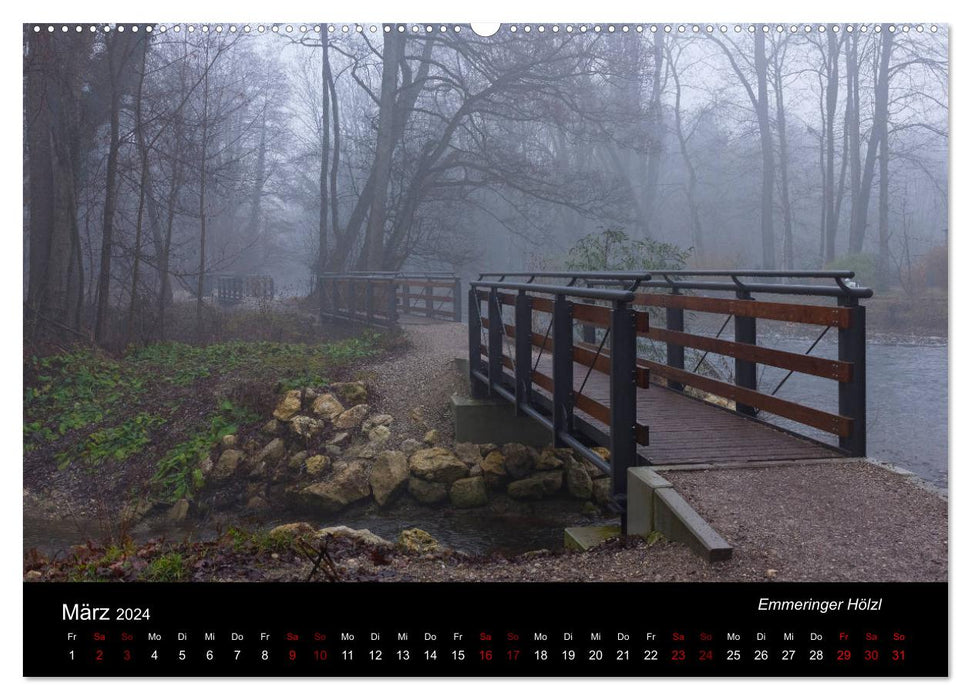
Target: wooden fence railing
pixel 232 289
pixel 379 298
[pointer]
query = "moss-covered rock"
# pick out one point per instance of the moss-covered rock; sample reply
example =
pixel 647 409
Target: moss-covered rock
pixel 468 493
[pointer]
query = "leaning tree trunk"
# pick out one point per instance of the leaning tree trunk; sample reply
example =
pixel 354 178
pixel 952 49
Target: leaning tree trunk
pixel 373 257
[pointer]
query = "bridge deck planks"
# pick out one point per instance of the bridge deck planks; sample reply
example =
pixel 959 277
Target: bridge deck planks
pixel 689 431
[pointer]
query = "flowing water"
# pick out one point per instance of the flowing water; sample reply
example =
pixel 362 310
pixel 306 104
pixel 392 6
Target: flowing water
pixel 907 400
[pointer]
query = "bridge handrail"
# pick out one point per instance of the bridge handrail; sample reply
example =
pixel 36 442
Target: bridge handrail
pixel 647 289
pixel 581 292
pixel 669 279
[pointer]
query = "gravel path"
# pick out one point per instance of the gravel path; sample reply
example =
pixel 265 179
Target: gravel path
pixel 415 386
pixel 806 522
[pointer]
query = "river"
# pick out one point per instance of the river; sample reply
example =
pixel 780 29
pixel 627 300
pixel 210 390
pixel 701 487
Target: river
pixel 907 399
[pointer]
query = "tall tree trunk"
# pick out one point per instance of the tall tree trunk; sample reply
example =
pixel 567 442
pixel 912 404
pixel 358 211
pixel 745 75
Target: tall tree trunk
pixel 113 51
pixel 768 166
pixel 697 235
pixel 829 183
pixel 883 256
pixel 142 182
pixel 780 120
pixel 877 132
pixel 656 115
pixel 40 171
pixel 853 122
pixel 324 154
pixel 373 257
pixel 200 288
pixel 336 160
pixel 174 191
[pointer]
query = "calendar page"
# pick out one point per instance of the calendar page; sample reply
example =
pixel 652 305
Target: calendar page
pixel 529 349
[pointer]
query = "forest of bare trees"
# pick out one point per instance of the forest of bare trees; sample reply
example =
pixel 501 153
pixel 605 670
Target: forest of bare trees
pixel 156 158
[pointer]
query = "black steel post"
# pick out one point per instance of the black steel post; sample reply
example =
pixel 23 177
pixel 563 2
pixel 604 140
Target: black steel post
pixel 745 371
pixel 495 342
pixel 674 321
pixel 428 301
pixel 476 388
pixel 524 350
pixel 334 296
pixel 562 368
pixel 852 394
pixel 457 300
pixel 623 402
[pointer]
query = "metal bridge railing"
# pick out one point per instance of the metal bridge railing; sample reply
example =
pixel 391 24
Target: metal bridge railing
pixel 621 304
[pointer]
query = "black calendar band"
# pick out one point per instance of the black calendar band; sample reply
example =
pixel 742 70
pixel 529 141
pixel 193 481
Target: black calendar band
pixel 500 630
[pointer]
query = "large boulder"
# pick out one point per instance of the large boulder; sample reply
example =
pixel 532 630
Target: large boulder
pixel 289 406
pixel 494 470
pixel 305 426
pixel 389 476
pixel 578 481
pixel 365 537
pixel 428 492
pixel 548 460
pixel 291 530
pixel 536 486
pixel 352 417
pixel 468 493
pixel 417 541
pixel 468 452
pixel 351 393
pixel 347 486
pixel 437 464
pixel 226 466
pixel 327 406
pixel 519 460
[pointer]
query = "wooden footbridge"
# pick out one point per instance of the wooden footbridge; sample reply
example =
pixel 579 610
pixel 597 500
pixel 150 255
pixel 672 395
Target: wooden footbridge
pixel 606 359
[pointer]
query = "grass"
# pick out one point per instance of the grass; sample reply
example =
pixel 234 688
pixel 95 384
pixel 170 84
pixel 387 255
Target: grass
pixel 167 404
pixel 165 568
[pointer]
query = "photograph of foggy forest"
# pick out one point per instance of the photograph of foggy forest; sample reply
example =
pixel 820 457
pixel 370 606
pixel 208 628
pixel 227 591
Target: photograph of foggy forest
pixel 255 258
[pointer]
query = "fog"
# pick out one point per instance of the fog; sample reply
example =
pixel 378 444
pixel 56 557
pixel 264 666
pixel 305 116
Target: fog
pixel 156 160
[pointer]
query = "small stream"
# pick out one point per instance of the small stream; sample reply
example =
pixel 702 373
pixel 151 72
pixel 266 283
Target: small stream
pixel 473 532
